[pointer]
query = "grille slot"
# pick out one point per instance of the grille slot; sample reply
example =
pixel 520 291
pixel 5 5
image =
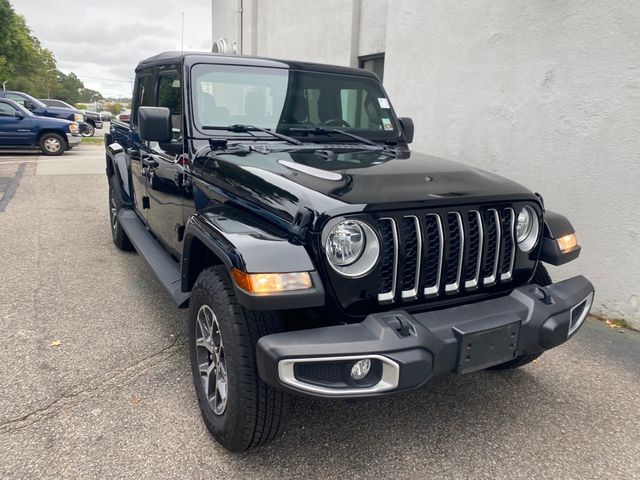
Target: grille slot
pixel 412 241
pixel 445 253
pixel 434 255
pixel 388 260
pixel 474 258
pixel 508 244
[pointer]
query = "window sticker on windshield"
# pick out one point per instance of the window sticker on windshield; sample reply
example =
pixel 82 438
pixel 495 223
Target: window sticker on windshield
pixel 384 103
pixel 386 124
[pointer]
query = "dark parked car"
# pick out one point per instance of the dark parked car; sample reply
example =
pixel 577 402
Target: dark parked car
pixel 106 115
pixel 92 119
pixel 19 128
pixel 38 108
pixel 317 254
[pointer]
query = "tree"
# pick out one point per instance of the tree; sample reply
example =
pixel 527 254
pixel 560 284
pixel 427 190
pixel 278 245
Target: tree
pixel 23 60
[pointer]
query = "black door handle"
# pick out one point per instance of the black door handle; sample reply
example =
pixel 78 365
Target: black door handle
pixel 149 162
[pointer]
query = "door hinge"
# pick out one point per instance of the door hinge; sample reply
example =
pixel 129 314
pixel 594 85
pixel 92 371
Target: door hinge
pixel 145 202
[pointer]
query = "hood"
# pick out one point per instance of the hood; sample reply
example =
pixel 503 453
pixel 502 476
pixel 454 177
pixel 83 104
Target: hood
pixel 49 122
pixel 62 112
pixel 330 182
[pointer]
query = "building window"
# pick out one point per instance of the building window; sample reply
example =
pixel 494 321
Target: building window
pixel 373 63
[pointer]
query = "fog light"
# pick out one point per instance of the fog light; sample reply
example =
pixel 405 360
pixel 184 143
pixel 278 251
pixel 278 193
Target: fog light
pixel 361 369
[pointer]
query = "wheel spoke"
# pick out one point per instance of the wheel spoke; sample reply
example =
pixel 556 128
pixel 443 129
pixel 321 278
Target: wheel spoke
pixel 212 366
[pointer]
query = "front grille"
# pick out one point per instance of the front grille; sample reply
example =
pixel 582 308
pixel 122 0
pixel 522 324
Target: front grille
pixel 427 256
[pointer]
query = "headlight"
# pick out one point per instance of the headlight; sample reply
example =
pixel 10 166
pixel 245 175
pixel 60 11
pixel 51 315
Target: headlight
pixel 352 248
pixel 74 128
pixel 527 229
pixel 78 117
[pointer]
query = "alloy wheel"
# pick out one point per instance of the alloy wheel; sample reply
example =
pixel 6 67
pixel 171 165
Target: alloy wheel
pixel 52 145
pixel 114 213
pixel 212 363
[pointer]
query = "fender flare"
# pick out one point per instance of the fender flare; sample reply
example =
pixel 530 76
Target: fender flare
pixel 118 165
pixel 556 226
pixel 240 241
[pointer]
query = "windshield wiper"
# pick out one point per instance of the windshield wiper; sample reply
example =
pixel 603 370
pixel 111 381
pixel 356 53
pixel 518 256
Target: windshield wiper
pixel 252 128
pixel 325 131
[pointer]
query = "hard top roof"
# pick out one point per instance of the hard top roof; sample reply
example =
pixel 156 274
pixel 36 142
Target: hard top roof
pixel 191 58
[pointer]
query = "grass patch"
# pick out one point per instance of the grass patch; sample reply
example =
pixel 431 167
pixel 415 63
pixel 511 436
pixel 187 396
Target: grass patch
pixel 93 140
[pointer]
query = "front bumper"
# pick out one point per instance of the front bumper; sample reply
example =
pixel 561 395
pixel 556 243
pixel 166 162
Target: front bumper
pixel 405 351
pixel 73 140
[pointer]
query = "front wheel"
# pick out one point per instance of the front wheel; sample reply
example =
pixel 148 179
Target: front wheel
pixel 89 130
pixel 52 144
pixel 239 409
pixel 542 278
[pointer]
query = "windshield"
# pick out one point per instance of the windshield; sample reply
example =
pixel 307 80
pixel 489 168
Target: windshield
pixel 290 102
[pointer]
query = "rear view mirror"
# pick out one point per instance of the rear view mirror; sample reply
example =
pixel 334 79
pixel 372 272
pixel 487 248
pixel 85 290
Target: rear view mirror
pixel 154 124
pixel 407 128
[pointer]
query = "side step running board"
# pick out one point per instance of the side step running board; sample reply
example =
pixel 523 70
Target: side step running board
pixel 165 268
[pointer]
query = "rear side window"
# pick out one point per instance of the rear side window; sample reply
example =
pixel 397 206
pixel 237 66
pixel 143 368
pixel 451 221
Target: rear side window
pixel 144 94
pixel 170 96
pixel 17 98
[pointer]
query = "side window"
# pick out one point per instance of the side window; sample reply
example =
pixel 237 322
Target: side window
pixel 7 110
pixel 170 96
pixel 17 99
pixel 144 94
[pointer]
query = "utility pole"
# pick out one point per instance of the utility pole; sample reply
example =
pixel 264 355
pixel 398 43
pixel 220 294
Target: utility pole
pixel 46 76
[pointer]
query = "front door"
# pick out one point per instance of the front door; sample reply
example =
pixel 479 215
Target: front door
pixel 14 130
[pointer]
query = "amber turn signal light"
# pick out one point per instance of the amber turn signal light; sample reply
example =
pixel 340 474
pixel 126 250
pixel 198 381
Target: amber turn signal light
pixel 567 242
pixel 271 282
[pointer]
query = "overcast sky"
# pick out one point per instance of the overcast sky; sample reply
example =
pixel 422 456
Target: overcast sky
pixel 102 41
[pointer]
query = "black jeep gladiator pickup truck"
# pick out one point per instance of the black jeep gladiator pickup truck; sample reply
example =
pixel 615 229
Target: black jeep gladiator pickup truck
pixel 317 254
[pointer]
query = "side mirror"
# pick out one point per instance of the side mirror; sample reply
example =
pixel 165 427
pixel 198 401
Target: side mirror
pixel 154 124
pixel 407 128
pixel 30 106
pixel 19 114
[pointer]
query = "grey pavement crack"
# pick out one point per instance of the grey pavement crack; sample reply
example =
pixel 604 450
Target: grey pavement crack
pixel 120 377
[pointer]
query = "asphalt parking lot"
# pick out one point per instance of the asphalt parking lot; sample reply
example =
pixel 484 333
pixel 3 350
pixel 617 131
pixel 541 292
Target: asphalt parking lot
pixel 96 383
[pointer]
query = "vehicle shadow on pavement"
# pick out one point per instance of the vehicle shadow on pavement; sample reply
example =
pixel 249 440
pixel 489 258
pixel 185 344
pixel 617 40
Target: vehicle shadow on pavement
pixel 452 414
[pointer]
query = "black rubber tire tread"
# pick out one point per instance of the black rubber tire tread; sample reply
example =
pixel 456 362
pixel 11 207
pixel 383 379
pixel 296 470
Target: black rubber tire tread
pixel 119 236
pixel 256 413
pixel 542 278
pixel 63 144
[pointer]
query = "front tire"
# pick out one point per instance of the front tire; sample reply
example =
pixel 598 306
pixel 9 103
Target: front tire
pixel 52 144
pixel 542 278
pixel 89 131
pixel 239 409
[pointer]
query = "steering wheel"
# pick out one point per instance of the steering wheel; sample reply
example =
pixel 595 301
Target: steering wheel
pixel 336 122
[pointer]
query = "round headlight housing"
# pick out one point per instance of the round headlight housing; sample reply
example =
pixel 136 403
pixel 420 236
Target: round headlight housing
pixel 352 248
pixel 527 229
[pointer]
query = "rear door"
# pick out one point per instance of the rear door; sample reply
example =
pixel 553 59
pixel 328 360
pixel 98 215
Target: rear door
pixel 166 172
pixel 144 95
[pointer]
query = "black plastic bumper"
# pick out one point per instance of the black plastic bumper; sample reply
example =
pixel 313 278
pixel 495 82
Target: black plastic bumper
pixel 407 350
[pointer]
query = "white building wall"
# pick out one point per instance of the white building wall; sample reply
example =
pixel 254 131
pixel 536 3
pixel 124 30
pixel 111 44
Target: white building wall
pixel 544 92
